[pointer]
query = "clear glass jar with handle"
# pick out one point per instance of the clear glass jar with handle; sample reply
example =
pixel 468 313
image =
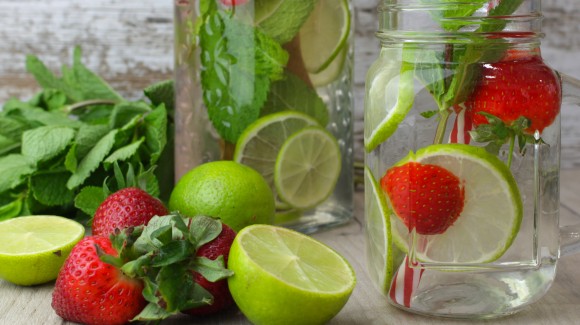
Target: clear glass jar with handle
pixel 462 140
pixel 268 83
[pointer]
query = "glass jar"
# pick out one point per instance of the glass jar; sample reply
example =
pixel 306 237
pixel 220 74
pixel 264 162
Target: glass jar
pixel 462 140
pixel 269 84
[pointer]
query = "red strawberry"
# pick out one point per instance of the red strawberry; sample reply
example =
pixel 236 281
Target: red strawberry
pixel 233 3
pixel 90 291
pixel 222 298
pixel 128 207
pixel 521 85
pixel 426 197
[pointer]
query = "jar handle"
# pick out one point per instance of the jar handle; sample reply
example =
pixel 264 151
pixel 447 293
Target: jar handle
pixel 570 235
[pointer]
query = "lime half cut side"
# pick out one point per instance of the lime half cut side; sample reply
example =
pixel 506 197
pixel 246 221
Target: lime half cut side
pixel 325 34
pixel 380 259
pixel 491 215
pixel 259 144
pixel 307 168
pixel 33 249
pixel 283 276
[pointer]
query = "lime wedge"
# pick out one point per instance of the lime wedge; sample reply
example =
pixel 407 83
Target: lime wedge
pixel 307 167
pixel 282 276
pixel 259 144
pixel 324 34
pixel 492 211
pixel 390 96
pixel 380 254
pixel 33 249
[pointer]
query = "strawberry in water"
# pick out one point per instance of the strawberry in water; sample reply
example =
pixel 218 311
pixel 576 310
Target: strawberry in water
pixel 425 197
pixel 519 86
pixel 233 3
pixel 90 291
pixel 222 297
pixel 127 207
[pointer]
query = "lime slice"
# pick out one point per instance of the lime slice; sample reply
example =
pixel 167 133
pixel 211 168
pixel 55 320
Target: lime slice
pixel 380 264
pixel 324 34
pixel 390 96
pixel 307 167
pixel 259 144
pixel 332 72
pixel 282 276
pixel 33 249
pixel 492 211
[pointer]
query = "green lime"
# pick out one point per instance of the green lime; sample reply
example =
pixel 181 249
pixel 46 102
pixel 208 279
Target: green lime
pixel 285 277
pixel 259 144
pixel 307 167
pixel 332 72
pixel 380 252
pixel 235 193
pixel 324 34
pixel 34 248
pixel 390 96
pixel 492 211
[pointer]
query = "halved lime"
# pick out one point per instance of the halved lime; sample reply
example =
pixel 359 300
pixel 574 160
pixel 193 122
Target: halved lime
pixel 307 167
pixel 33 249
pixel 492 211
pixel 390 96
pixel 284 277
pixel 259 144
pixel 380 255
pixel 324 34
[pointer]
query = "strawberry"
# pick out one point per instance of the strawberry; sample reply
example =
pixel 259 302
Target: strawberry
pixel 90 291
pixel 127 207
pixel 222 298
pixel 425 197
pixel 520 85
pixel 233 3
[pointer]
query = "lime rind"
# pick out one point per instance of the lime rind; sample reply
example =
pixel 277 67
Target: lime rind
pixel 380 260
pixel 491 216
pixel 307 168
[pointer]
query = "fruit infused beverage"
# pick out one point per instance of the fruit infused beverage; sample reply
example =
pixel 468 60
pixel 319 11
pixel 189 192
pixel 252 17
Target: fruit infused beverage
pixel 269 84
pixel 462 140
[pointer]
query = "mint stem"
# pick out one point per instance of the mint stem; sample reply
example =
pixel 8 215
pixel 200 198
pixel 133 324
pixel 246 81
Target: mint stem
pixel 90 102
pixel 440 133
pixel 511 151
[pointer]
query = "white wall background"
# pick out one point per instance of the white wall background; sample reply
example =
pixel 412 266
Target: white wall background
pixel 130 43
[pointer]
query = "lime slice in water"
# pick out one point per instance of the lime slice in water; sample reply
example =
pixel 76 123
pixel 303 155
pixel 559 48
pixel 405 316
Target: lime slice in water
pixel 491 215
pixel 33 249
pixel 307 167
pixel 259 144
pixel 324 34
pixel 285 277
pixel 380 254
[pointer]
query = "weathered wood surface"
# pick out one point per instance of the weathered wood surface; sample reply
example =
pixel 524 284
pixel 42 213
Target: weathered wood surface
pixel 130 43
pixel 31 306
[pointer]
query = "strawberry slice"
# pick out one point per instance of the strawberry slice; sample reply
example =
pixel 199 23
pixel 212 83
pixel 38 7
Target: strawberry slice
pixel 425 197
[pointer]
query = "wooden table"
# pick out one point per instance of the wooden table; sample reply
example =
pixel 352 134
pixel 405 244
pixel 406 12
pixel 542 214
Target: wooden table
pixel 31 306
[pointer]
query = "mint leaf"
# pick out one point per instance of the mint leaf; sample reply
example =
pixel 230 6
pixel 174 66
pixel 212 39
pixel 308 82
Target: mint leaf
pixel 156 132
pixel 47 79
pixel 47 142
pixel 236 77
pixel 12 128
pixel 450 17
pixel 123 153
pixel 11 209
pixel 282 22
pixel 92 161
pixel 8 145
pixel 87 137
pixel 89 198
pixel 14 168
pixel 49 188
pixel 90 85
pixel 161 93
pixel 124 112
pixel 291 93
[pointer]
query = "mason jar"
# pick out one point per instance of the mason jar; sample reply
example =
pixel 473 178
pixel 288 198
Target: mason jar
pixel 462 139
pixel 269 84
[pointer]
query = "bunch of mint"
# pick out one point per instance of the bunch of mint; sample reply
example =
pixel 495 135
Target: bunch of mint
pixel 63 150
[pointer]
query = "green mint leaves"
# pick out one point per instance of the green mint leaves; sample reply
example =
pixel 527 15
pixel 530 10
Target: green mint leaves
pixel 238 64
pixel 60 148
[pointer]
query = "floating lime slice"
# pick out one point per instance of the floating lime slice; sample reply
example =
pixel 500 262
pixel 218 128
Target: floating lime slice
pixel 307 167
pixel 33 249
pixel 285 277
pixel 492 211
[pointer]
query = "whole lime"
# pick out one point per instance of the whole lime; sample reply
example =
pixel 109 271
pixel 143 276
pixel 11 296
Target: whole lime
pixel 235 193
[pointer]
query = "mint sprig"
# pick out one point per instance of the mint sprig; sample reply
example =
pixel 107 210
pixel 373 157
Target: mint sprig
pixel 58 149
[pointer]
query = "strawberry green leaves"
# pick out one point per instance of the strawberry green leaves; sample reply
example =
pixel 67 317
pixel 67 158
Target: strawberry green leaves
pixel 238 64
pixel 68 137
